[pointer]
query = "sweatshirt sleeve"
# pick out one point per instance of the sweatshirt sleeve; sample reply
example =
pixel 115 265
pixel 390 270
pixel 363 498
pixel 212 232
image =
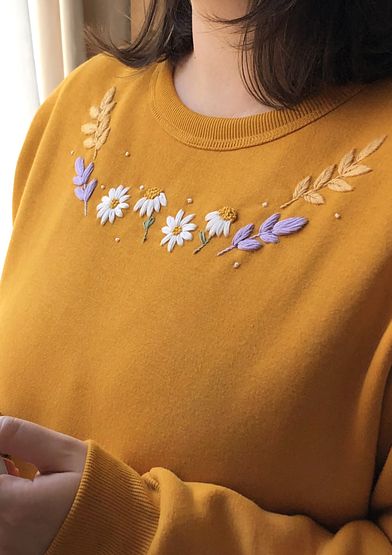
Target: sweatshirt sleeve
pixel 116 510
pixel 30 148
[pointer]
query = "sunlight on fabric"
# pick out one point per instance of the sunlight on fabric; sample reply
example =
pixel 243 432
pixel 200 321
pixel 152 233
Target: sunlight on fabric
pixel 19 101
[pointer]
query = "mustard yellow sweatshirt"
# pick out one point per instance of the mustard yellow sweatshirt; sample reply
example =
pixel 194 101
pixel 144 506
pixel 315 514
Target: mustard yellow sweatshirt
pixel 207 303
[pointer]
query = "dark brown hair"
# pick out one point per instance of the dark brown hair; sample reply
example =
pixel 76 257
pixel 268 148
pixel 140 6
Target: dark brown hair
pixel 297 45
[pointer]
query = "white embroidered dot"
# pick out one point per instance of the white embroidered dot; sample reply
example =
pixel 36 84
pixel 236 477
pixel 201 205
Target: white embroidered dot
pixel 236 265
pixel 141 187
pixel 127 154
pixel 189 200
pixel 264 204
pixel 102 186
pixel 337 215
pixel 117 239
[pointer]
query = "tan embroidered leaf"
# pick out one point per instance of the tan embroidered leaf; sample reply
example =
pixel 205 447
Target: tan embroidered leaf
pixel 94 112
pixel 99 129
pixel 314 198
pixel 108 97
pixel 370 148
pixel 102 139
pixel 339 185
pixel 106 110
pixel 356 169
pixel 346 161
pixel 104 124
pixel 323 178
pixel 89 128
pixel 302 187
pixel 89 143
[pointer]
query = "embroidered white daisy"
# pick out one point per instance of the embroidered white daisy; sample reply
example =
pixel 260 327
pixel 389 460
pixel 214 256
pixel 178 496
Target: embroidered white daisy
pixel 153 199
pixel 220 221
pixel 178 230
pixel 112 204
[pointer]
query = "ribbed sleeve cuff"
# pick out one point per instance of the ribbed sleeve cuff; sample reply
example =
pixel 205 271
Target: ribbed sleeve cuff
pixel 112 512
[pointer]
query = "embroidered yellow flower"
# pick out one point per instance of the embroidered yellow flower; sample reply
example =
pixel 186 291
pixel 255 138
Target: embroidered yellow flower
pixel 153 199
pixel 178 230
pixel 218 223
pixel 112 205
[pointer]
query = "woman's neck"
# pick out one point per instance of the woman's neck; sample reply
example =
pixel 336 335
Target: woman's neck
pixel 208 81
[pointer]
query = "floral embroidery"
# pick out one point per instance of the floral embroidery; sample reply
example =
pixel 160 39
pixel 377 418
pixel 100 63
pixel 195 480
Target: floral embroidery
pixel 347 167
pixel 178 230
pixel 219 221
pixel 84 190
pixel 152 201
pixel 269 232
pixel 113 204
pixel 100 128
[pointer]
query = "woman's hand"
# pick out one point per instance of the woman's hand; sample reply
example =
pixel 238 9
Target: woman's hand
pixel 32 511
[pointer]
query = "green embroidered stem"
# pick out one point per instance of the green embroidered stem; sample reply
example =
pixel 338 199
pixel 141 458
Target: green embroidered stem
pixel 147 224
pixel 204 241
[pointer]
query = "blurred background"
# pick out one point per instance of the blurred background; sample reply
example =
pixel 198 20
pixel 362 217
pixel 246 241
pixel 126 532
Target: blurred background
pixel 41 41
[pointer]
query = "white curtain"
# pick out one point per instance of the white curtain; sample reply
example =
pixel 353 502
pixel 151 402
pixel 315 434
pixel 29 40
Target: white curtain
pixel 41 41
pixel 58 45
pixel 18 98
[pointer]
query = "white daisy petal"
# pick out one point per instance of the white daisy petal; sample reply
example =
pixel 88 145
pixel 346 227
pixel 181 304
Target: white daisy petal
pixel 166 239
pixel 118 212
pixel 150 207
pixel 172 242
pixel 211 215
pixel 187 219
pixel 170 221
pixel 157 205
pixel 139 203
pixel 162 198
pixel 101 211
pixel 180 240
pixel 186 235
pixel 166 229
pixel 123 205
pixel 227 228
pixel 123 198
pixel 119 190
pixel 179 215
pixel 105 198
pixel 189 227
pixel 112 193
pixel 105 217
pixel 144 207
pixel 220 227
pixel 112 216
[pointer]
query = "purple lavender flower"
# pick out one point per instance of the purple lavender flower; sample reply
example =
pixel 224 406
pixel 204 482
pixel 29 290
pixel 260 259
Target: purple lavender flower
pixel 271 229
pixel 269 232
pixel 242 241
pixel 84 190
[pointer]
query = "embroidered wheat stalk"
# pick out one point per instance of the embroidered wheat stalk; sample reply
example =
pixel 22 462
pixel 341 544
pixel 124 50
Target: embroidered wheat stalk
pixel 99 129
pixel 348 166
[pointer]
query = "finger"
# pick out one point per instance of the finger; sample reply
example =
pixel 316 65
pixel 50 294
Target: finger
pixel 48 450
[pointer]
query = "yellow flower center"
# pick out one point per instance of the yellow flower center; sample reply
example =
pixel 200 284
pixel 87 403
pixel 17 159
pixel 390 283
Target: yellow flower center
pixel 153 192
pixel 228 214
pixel 114 202
pixel 177 230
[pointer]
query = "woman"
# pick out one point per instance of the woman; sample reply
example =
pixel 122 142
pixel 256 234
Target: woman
pixel 196 332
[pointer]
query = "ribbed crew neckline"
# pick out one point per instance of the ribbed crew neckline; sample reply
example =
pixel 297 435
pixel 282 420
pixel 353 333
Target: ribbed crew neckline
pixel 223 133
